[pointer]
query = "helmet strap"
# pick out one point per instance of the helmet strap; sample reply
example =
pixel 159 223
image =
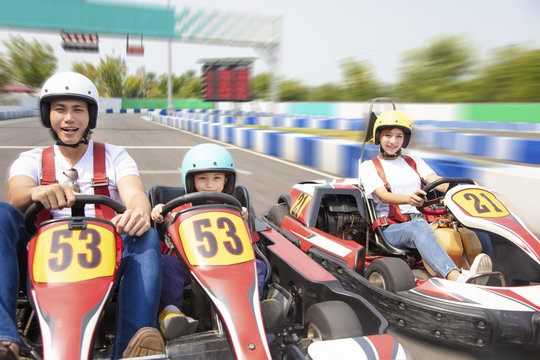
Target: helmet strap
pixel 388 156
pixel 84 140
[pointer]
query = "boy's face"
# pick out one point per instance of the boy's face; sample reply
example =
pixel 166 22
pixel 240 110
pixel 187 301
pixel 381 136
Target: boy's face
pixel 209 181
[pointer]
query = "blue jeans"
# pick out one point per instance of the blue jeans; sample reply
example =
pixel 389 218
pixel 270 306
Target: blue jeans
pixel 418 234
pixel 13 240
pixel 139 288
pixel 485 240
pixel 175 276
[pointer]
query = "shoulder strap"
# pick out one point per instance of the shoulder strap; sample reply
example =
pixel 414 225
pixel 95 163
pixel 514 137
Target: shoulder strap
pixel 100 182
pixel 394 212
pixel 48 177
pixel 412 164
pixel 380 172
pixel 48 172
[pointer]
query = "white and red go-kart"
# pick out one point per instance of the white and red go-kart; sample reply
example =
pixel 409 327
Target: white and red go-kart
pixel 73 264
pixel 330 220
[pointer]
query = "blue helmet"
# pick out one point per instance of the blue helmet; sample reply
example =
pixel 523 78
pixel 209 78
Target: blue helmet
pixel 208 158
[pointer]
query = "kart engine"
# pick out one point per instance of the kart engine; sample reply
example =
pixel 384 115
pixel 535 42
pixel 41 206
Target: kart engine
pixel 339 217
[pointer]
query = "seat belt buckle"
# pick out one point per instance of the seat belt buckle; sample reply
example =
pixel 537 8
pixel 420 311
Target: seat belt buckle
pixel 100 184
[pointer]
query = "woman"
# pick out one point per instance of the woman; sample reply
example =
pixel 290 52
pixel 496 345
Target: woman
pixel 394 181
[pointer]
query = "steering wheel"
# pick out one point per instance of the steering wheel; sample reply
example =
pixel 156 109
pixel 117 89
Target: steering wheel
pixel 200 198
pixel 451 181
pixel 76 210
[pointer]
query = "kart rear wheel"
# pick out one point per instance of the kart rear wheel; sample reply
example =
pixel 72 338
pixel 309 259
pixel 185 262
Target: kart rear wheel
pixel 332 320
pixel 391 273
pixel 277 213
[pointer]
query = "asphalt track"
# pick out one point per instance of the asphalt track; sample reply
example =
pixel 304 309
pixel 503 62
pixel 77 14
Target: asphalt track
pixel 158 151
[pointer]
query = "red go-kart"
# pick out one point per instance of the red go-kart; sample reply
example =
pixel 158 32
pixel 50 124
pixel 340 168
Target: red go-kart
pixel 315 316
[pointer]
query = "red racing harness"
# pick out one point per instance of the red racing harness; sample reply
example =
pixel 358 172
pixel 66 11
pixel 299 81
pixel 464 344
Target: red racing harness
pixel 100 182
pixel 394 214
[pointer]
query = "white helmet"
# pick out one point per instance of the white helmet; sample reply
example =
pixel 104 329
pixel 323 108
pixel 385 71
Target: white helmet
pixel 68 85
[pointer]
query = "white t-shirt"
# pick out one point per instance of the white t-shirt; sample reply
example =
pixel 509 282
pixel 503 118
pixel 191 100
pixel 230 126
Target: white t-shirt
pixel 400 176
pixel 117 161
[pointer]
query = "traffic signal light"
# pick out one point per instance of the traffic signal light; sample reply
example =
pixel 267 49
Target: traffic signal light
pixel 80 42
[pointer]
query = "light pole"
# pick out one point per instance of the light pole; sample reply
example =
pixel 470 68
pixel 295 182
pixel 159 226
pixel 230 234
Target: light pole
pixel 170 108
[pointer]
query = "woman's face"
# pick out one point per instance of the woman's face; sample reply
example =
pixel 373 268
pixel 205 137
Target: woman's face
pixel 209 181
pixel 392 140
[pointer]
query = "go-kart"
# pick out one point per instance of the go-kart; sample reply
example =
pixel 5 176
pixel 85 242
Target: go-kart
pixel 330 220
pixel 316 318
pixel 72 267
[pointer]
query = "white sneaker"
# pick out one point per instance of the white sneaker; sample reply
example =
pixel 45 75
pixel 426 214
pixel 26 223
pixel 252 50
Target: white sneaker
pixel 481 264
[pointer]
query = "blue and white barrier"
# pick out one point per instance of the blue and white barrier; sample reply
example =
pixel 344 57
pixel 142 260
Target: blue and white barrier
pixel 505 148
pixel 338 157
pixel 17 112
pixel 125 111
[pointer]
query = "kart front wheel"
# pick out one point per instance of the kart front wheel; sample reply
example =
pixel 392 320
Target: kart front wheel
pixel 277 213
pixel 392 274
pixel 332 320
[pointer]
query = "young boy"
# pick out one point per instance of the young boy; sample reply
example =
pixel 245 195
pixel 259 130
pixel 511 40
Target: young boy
pixel 206 167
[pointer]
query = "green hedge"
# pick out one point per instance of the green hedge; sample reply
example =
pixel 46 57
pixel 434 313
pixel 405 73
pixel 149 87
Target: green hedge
pixel 519 113
pixel 162 104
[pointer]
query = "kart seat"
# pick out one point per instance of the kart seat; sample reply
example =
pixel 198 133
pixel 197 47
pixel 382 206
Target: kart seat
pixel 378 236
pixel 159 194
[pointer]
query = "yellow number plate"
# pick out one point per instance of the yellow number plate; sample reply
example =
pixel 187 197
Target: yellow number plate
pixel 65 256
pixel 480 203
pixel 301 201
pixel 215 238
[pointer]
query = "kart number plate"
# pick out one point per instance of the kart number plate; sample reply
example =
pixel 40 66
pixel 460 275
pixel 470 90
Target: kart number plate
pixel 300 203
pixel 220 238
pixel 65 256
pixel 480 203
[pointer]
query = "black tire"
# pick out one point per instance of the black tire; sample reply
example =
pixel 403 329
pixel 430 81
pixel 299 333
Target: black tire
pixel 332 320
pixel 391 273
pixel 277 213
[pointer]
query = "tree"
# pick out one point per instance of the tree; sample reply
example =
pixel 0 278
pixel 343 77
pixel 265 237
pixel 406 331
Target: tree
pixel 87 69
pixel 326 92
pixel 436 72
pixel 112 72
pixel 260 86
pixel 190 86
pixel 293 90
pixel 30 63
pixel 512 76
pixel 359 81
pixel 4 72
pixel 133 87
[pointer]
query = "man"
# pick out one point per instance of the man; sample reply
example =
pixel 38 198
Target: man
pixel 69 108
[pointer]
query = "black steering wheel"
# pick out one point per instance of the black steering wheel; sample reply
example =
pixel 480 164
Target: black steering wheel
pixel 76 210
pixel 200 198
pixel 451 181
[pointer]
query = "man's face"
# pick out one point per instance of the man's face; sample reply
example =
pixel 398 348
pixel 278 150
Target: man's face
pixel 209 181
pixel 69 119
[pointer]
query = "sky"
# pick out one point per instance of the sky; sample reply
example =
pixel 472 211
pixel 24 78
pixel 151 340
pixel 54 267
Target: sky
pixel 317 35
